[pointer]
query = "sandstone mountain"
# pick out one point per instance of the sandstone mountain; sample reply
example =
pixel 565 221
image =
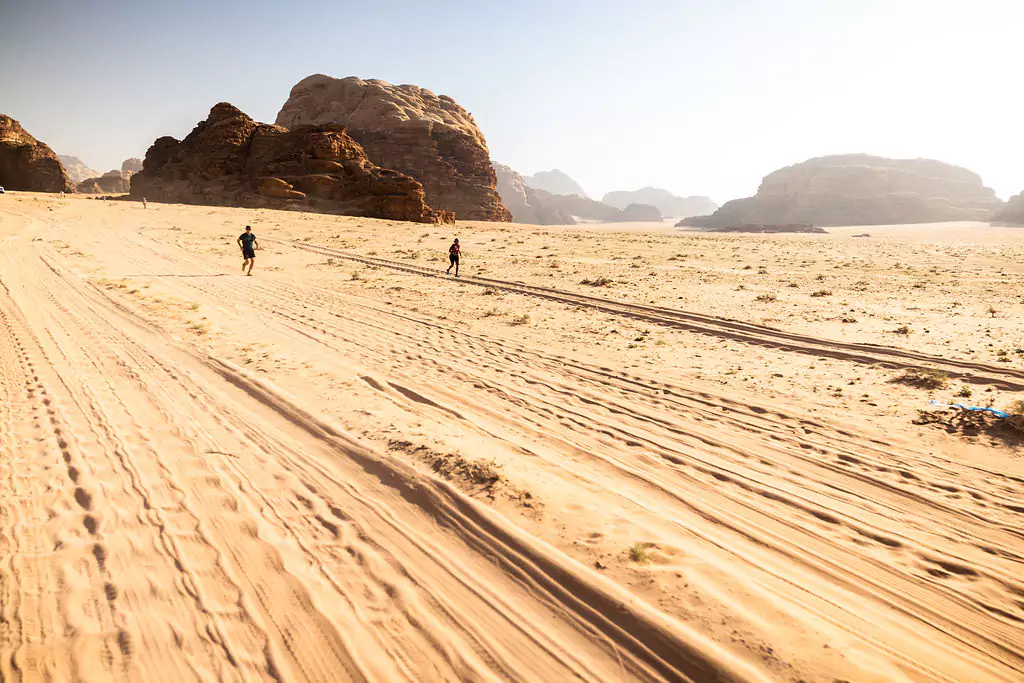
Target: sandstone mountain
pixel 640 212
pixel 555 182
pixel 666 202
pixel 76 169
pixel 231 160
pixel 859 189
pixel 537 207
pixel 111 182
pixel 131 166
pixel 526 204
pixel 410 129
pixel 27 164
pixel 1013 212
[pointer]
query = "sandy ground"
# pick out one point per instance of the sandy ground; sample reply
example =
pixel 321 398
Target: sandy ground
pixel 349 467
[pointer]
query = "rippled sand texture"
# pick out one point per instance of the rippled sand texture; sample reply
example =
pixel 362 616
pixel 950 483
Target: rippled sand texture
pixel 349 467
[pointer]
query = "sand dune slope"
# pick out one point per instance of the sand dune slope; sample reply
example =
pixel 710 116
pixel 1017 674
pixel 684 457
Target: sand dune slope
pixel 169 510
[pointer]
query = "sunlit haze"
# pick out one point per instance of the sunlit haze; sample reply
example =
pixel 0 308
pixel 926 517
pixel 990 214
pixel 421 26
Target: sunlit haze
pixel 696 97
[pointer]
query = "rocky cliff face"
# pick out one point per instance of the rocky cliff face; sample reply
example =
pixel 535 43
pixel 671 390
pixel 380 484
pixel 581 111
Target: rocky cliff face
pixel 556 182
pixel 526 204
pixel 27 164
pixel 1013 212
pixel 231 160
pixel 410 129
pixel 666 202
pixel 858 189
pixel 76 169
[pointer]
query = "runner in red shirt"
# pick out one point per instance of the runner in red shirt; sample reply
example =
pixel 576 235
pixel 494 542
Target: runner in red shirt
pixel 453 257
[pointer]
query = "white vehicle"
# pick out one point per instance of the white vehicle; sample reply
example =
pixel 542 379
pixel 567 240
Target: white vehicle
pixel 1 189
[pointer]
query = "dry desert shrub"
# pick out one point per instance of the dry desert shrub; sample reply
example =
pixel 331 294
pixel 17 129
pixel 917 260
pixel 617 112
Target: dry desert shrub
pixel 597 282
pixel 821 292
pixel 520 320
pixel 766 298
pixel 923 378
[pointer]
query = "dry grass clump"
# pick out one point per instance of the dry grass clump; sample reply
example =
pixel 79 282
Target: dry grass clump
pixel 638 553
pixel 923 378
pixel 821 292
pixel 520 320
pixel 597 282
pixel 902 329
pixel 766 298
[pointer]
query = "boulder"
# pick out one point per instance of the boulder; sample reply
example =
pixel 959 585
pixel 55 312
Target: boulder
pixel 556 182
pixel 76 169
pixel 859 189
pixel 27 164
pixel 231 160
pixel 1013 212
pixel 666 202
pixel 410 129
pixel 526 204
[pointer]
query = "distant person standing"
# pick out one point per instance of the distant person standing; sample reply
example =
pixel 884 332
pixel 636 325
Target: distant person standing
pixel 247 241
pixel 144 203
pixel 454 252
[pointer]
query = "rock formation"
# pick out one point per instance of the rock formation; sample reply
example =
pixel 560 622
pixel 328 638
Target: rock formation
pixel 556 182
pixel 858 189
pixel 410 129
pixel 666 202
pixel 111 182
pixel 76 169
pixel 27 164
pixel 639 212
pixel 1013 212
pixel 131 166
pixel 526 204
pixel 231 160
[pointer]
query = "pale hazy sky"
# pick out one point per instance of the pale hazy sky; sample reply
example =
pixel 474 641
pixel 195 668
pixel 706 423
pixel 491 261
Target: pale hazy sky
pixel 699 97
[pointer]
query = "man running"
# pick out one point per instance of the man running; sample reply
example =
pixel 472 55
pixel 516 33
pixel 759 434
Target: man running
pixel 247 241
pixel 453 257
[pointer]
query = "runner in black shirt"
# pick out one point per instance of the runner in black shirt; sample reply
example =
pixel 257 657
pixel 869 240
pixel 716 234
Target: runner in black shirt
pixel 247 241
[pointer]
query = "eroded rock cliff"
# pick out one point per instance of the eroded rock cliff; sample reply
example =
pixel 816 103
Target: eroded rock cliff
pixel 27 164
pixel 231 160
pixel 410 129
pixel 526 204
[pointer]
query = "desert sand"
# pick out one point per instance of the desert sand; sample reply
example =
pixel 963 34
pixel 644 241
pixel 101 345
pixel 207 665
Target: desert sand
pixel 702 465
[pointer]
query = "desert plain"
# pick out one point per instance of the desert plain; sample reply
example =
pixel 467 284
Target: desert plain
pixel 602 453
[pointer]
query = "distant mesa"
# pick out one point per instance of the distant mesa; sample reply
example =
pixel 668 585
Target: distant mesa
pixel 539 207
pixel 640 213
pixel 1013 212
pixel 556 182
pixel 76 169
pixel 111 182
pixel 666 202
pixel 231 160
pixel 859 189
pixel 27 164
pixel 131 166
pixel 527 204
pixel 410 129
